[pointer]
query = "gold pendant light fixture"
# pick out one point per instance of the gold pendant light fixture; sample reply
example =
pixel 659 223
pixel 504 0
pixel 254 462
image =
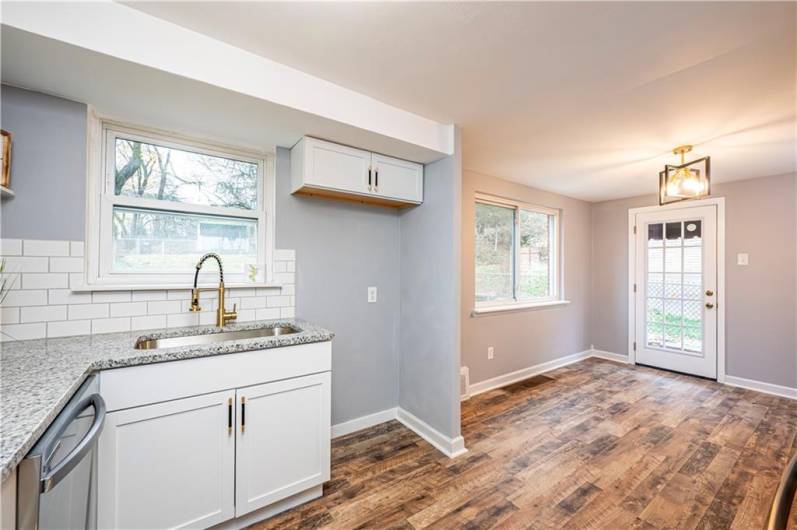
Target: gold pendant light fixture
pixel 688 180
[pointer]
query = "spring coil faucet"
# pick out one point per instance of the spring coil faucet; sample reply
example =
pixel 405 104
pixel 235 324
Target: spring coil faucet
pixel 222 316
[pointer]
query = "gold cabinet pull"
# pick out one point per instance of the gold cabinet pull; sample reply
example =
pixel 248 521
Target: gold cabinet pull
pixel 229 416
pixel 709 305
pixel 709 292
pixel 243 414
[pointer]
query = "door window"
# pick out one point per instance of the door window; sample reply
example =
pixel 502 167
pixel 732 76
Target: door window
pixel 674 286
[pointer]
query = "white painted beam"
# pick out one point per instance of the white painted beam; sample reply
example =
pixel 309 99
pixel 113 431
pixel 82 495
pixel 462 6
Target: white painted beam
pixel 128 34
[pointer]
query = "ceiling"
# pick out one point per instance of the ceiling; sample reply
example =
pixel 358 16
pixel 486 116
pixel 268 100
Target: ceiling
pixel 584 99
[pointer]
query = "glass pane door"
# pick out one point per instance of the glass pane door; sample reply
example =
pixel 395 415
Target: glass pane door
pixel 673 301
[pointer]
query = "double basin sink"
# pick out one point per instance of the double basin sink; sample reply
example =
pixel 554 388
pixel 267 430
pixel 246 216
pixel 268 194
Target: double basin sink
pixel 211 338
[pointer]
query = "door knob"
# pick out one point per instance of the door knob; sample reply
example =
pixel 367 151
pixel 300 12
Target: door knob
pixel 709 305
pixel 709 292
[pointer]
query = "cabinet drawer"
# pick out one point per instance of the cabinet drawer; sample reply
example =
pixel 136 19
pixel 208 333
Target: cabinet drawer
pixel 152 383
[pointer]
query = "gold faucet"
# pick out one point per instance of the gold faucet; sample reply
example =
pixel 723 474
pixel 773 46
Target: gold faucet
pixel 222 316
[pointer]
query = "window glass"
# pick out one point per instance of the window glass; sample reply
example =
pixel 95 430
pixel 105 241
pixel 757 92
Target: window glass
pixel 516 253
pixel 494 252
pixel 153 241
pixel 534 259
pixel 156 172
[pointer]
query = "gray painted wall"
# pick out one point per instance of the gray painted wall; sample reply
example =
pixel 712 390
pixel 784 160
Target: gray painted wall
pixel 527 337
pixel 430 299
pixel 761 298
pixel 48 166
pixel 341 249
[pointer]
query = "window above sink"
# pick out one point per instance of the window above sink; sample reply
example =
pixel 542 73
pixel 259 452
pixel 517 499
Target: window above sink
pixel 158 201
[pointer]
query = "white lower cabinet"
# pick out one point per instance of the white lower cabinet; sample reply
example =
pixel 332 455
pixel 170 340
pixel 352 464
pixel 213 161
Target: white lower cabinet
pixel 168 465
pixel 198 461
pixel 283 440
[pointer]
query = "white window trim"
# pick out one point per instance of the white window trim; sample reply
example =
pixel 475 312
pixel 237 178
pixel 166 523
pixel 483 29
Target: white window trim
pixel 557 282
pixel 100 132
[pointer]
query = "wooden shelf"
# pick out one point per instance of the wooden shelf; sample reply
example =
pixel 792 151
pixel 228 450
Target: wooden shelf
pixel 6 192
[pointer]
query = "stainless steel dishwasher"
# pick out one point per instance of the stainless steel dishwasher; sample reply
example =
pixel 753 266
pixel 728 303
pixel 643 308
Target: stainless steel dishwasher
pixel 57 480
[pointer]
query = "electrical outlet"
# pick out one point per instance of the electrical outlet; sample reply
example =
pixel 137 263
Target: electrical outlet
pixel 372 295
pixel 742 259
pixel 490 352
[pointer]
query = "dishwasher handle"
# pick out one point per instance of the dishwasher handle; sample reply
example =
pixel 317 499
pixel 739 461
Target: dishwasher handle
pixel 51 476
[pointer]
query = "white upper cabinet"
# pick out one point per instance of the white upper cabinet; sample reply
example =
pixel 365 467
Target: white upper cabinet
pixel 397 179
pixel 326 169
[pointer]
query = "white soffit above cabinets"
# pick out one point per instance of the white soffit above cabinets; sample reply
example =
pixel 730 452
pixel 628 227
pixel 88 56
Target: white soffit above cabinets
pixel 581 98
pixel 134 66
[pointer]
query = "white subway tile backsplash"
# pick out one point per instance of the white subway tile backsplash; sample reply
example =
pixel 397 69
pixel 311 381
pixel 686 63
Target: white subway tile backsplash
pixel 68 328
pixel 110 296
pixel 25 298
pixel 23 331
pixel 148 322
pixel 284 254
pixel 146 296
pixel 43 313
pixel 66 264
pixel 42 303
pixel 267 313
pixel 279 301
pixel 46 280
pixel 291 266
pixel 9 315
pixel 129 309
pixel 84 311
pixel 164 307
pixel 76 280
pixel 254 302
pixel 37 247
pixel 180 320
pixel 26 264
pixel 110 325
pixel 247 315
pixel 10 247
pixel 67 296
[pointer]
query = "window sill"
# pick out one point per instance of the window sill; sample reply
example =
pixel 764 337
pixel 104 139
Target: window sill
pixel 170 287
pixel 517 307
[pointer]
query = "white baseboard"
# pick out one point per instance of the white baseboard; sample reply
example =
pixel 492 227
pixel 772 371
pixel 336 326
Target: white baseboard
pixel 525 373
pixel 451 447
pixel 760 386
pixel 609 356
pixel 363 422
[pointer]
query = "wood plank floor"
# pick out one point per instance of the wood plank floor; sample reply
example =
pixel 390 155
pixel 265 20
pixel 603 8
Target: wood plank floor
pixel 595 444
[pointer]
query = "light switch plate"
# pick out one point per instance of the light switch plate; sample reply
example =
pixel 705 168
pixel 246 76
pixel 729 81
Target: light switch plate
pixel 742 259
pixel 372 295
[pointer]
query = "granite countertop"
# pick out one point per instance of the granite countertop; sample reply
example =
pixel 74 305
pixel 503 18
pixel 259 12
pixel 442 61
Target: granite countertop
pixel 38 377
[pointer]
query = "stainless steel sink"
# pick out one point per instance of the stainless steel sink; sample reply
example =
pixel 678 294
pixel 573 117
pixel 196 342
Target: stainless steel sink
pixel 190 340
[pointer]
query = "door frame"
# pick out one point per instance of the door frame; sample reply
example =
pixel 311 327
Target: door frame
pixel 719 202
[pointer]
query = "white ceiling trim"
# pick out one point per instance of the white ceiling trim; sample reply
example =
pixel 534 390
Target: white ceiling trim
pixel 116 30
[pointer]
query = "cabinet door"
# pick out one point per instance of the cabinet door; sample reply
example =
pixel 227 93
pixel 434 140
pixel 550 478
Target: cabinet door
pixel 283 437
pixel 336 167
pixel 397 179
pixel 168 465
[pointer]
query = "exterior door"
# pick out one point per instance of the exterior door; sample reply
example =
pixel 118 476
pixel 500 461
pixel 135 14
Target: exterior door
pixel 283 440
pixel 676 290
